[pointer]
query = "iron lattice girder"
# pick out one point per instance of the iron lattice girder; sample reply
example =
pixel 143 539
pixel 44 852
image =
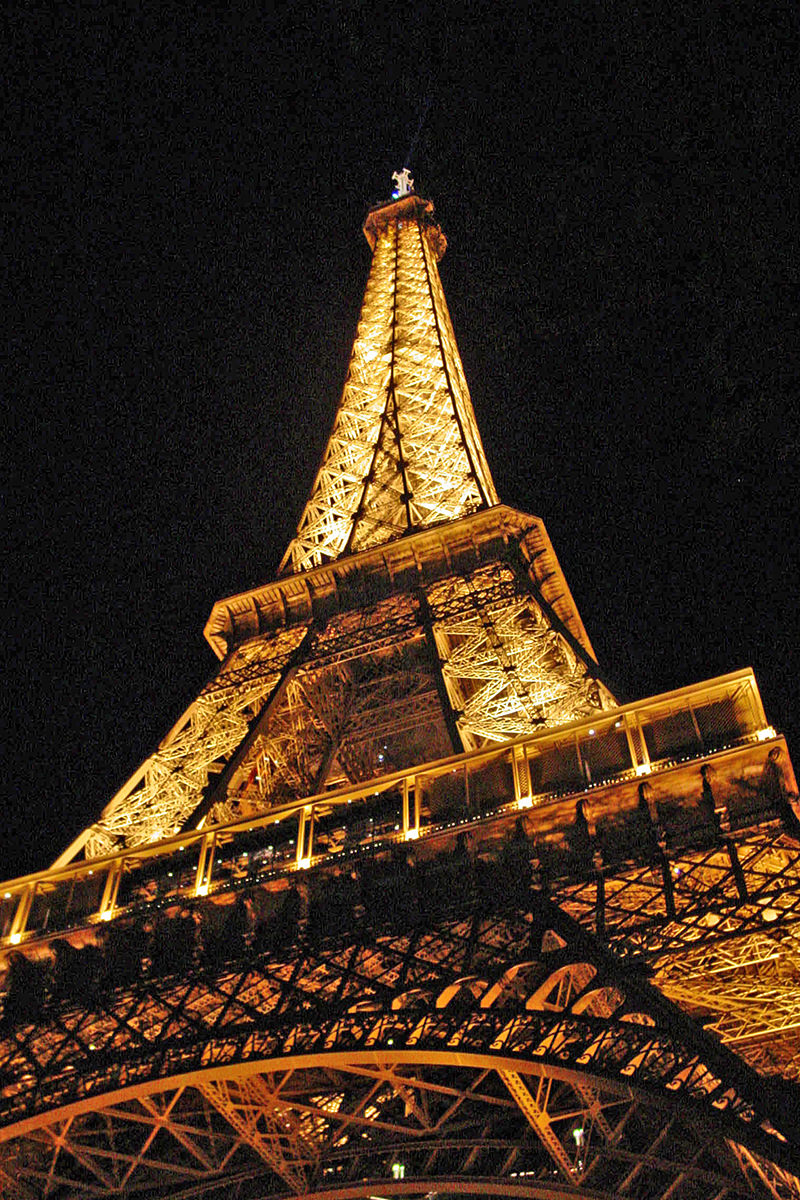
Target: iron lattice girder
pixel 506 670
pixel 614 1032
pixel 416 560
pixel 356 1127
pixel 487 631
pixel 733 961
pixel 265 1124
pixel 355 1132
pixel 159 797
pixel 707 908
pixel 405 451
pixel 454 962
pixel 666 1154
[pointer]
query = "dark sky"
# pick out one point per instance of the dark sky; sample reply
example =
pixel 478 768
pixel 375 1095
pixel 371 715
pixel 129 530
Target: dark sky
pixel 184 269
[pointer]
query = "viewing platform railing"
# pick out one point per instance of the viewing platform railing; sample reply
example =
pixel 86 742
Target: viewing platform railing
pixel 603 760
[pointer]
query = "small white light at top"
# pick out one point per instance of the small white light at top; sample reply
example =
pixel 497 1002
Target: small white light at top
pixel 7 896
pixel 591 733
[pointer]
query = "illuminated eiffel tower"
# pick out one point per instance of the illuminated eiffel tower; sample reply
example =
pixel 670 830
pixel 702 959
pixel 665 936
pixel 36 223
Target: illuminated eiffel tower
pixel 406 903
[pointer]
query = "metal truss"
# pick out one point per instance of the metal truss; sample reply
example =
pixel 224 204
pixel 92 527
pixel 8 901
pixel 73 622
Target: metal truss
pixel 167 787
pixel 720 930
pixel 427 1024
pixel 372 688
pixel 404 455
pixel 367 681
pixel 405 452
pixel 336 725
pixel 489 1043
pixel 508 672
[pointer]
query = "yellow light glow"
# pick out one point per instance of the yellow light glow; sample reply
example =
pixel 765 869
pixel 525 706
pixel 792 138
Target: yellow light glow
pixel 525 802
pixel 107 915
pixel 764 735
pixel 202 889
pixel 643 769
pixel 304 864
pixel 15 939
pixel 412 835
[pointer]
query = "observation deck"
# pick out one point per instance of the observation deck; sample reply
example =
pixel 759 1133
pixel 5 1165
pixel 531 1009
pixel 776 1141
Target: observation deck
pixel 599 764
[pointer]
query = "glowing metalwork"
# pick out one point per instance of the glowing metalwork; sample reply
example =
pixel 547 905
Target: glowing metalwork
pixel 167 787
pixel 333 1056
pixel 508 671
pixel 405 452
pixel 404 904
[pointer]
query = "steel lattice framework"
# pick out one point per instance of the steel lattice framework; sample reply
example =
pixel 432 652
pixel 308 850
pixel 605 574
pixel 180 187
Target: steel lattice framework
pixel 433 1034
pixel 405 452
pixel 474 656
pixel 405 904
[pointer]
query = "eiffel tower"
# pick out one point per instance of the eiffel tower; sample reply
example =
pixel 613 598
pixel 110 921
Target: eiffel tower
pixel 408 902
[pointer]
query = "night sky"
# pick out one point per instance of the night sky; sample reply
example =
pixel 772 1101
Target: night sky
pixel 184 270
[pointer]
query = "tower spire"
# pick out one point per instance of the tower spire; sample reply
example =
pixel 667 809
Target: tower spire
pixel 405 453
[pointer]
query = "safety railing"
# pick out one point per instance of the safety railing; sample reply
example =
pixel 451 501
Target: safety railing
pixel 632 741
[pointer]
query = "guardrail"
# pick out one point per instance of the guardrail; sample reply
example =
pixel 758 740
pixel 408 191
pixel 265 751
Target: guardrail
pixel 622 745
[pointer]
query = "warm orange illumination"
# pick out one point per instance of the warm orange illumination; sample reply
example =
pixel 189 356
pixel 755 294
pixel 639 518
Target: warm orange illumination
pixel 419 391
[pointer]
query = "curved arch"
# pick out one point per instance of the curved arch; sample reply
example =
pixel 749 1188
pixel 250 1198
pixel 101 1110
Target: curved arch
pixel 412 999
pixel 542 1064
pixel 638 1018
pixel 353 1094
pixel 462 1185
pixel 538 1000
pixel 473 985
pixel 504 983
pixel 600 1001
